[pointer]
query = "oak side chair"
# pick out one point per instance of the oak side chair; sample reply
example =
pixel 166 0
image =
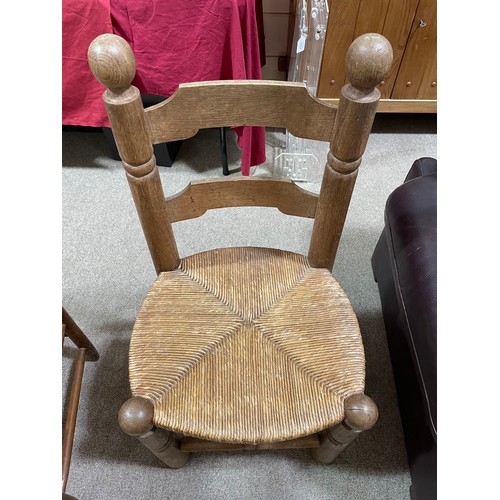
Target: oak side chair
pixel 244 348
pixel 86 352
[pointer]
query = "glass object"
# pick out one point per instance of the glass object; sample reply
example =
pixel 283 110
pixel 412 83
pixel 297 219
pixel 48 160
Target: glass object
pixel 296 160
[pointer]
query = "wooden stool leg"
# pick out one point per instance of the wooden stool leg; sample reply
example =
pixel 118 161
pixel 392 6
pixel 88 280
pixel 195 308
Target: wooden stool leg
pixel 136 419
pixel 360 414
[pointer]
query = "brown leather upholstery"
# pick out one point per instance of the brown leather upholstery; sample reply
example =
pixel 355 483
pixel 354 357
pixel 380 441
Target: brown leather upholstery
pixel 405 267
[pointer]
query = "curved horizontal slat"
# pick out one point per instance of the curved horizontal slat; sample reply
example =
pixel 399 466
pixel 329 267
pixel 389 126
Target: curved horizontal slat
pixel 198 197
pixel 228 103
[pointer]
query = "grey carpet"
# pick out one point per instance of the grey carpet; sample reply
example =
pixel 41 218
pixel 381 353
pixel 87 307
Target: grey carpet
pixel 107 271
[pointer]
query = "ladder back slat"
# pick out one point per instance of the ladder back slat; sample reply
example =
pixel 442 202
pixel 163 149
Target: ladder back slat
pixel 283 194
pixel 229 103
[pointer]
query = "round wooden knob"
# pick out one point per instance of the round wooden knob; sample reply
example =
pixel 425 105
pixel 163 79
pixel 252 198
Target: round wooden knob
pixel 360 412
pixel 112 61
pixel 136 416
pixel 368 61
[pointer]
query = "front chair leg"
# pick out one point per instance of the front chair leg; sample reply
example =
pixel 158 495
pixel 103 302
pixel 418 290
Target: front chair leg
pixel 136 419
pixel 360 414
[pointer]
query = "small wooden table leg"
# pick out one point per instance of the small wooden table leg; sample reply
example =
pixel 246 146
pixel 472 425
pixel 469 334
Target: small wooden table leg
pixel 360 414
pixel 70 426
pixel 136 419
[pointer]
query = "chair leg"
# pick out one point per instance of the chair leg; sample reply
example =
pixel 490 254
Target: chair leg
pixel 136 419
pixel 223 151
pixel 360 414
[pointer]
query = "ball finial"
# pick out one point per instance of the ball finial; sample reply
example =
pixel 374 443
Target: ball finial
pixel 112 61
pixel 136 416
pixel 361 412
pixel 368 61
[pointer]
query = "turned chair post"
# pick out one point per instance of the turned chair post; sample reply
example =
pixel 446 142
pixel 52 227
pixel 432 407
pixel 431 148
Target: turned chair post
pixel 368 61
pixel 113 63
pixel 136 419
pixel 155 363
pixel 360 414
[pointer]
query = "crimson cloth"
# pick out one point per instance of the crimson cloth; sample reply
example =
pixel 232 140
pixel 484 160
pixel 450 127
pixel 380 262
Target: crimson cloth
pixel 81 92
pixel 173 42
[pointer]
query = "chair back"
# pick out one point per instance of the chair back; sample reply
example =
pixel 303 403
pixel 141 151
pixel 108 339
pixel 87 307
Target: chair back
pixel 199 105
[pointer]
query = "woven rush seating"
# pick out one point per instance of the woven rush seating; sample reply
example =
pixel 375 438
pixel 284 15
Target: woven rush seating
pixel 244 348
pixel 246 345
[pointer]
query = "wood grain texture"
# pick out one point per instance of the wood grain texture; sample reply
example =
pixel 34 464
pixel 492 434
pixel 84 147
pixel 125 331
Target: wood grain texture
pixel 417 77
pixel 331 212
pixel 165 446
pixel 136 416
pixel 112 62
pixel 413 72
pixel 393 19
pixel 367 62
pixel 149 200
pixel 70 425
pixel 400 105
pixel 246 102
pixel 361 414
pixel 190 444
pixel 198 197
pixel 227 103
pixel 372 16
pixel 353 125
pixel 86 352
pixel 339 35
pixel 249 347
pixel 126 116
pixel 74 332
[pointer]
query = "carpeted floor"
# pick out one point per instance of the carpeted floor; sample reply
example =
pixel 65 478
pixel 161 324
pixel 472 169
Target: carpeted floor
pixel 107 271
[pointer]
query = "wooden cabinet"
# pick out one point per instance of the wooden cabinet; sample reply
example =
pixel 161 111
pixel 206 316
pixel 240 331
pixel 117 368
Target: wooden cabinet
pixel 410 26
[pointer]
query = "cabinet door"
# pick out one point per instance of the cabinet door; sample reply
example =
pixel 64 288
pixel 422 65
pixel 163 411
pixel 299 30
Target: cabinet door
pixel 339 35
pixel 350 18
pixel 417 76
pixel 393 19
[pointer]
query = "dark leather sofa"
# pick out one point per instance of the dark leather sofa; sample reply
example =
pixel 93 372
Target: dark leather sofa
pixel 405 267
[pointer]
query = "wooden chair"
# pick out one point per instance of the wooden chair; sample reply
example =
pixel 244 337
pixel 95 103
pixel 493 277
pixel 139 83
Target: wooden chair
pixel 244 348
pixel 86 352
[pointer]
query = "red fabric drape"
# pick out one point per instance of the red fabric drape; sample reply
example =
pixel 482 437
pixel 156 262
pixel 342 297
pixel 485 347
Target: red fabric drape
pixel 173 42
pixel 82 21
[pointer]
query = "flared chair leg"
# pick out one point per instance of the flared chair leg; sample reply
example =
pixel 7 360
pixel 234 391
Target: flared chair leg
pixel 360 414
pixel 136 419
